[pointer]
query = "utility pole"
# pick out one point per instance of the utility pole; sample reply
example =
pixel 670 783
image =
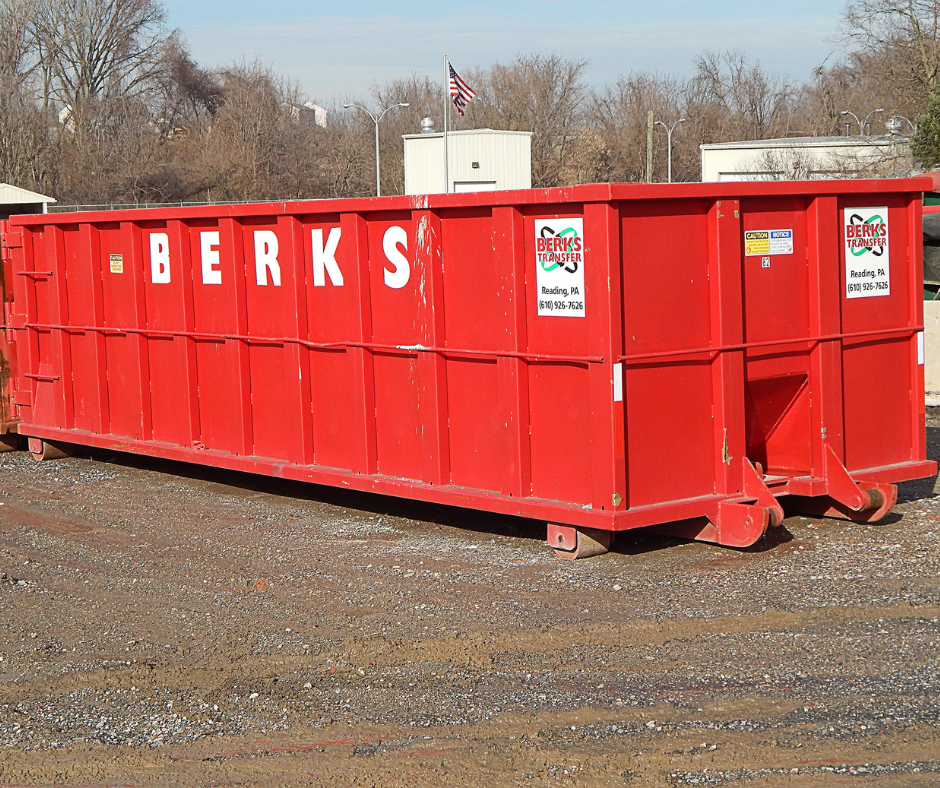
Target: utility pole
pixel 649 146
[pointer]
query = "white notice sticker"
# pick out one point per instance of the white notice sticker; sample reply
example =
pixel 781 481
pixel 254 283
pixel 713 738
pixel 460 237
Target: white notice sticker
pixel 867 269
pixel 559 266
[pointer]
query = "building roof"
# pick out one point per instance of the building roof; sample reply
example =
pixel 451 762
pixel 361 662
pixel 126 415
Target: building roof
pixel 810 142
pixel 14 195
pixel 466 131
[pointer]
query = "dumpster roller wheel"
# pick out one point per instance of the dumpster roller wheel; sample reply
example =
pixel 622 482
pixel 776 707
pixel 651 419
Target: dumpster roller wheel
pixel 43 450
pixel 570 542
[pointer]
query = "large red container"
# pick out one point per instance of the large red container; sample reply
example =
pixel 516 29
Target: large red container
pixel 602 357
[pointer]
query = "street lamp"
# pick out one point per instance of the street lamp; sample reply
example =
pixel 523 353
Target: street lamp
pixel 869 115
pixel 669 130
pixel 375 120
pixel 861 125
pixel 846 112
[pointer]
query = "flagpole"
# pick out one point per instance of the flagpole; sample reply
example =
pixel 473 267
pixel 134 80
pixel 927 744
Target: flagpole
pixel 446 101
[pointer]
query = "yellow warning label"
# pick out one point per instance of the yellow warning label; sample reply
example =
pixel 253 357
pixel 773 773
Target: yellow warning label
pixel 756 242
pixel 117 264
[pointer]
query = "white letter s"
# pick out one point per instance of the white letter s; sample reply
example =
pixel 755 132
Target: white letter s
pixel 398 278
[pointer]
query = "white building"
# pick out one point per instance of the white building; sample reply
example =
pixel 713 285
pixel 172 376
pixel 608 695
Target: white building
pixel 478 160
pixel 806 158
pixel 14 200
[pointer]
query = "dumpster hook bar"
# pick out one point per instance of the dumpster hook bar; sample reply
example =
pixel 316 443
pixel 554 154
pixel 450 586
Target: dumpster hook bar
pixel 715 349
pixel 375 346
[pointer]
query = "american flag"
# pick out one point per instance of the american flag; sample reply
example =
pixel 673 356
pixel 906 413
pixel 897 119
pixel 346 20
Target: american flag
pixel 460 92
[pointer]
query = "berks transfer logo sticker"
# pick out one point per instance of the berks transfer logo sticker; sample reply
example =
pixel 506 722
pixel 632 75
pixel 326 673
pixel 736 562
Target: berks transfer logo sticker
pixel 867 270
pixel 559 266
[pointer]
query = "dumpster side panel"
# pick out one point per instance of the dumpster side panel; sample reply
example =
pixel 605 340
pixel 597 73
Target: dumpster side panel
pixel 776 317
pixel 670 458
pixel 471 283
pixel 776 284
pixel 559 374
pixel 165 308
pixel 335 315
pixel 882 381
pixel 49 371
pixel 667 309
pixel 398 315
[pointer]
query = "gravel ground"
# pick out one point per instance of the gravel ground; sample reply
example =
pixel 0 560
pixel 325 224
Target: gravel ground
pixel 168 625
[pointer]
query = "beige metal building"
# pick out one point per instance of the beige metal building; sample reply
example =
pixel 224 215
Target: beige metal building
pixel 806 158
pixel 478 160
pixel 14 200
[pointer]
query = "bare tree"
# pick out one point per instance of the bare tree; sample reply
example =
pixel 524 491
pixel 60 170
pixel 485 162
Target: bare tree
pixel 543 94
pixel 23 134
pixel 257 146
pixel 619 114
pixel 908 29
pixel 89 48
pixel 17 40
pixel 186 96
pixel 737 99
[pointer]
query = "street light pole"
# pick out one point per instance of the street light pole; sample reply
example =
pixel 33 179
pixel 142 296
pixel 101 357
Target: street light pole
pixel 861 125
pixel 669 130
pixel 870 114
pixel 846 112
pixel 376 120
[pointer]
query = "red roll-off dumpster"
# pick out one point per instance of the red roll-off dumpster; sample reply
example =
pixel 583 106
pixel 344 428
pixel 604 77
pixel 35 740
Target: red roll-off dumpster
pixel 694 357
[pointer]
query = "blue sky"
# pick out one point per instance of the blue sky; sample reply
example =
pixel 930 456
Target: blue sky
pixel 336 51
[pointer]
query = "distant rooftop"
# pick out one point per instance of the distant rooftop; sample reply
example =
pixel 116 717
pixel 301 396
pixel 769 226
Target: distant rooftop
pixel 14 195
pixel 465 132
pixel 810 142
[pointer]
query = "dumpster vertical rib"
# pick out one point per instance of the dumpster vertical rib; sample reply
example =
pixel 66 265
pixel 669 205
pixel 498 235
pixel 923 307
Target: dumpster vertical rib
pixel 62 338
pixel 727 328
pixel 180 233
pixel 509 258
pixel 825 315
pixel 355 229
pixel 915 252
pixel 91 242
pixel 24 290
pixel 432 394
pixel 133 240
pixel 608 465
pixel 232 237
pixel 291 229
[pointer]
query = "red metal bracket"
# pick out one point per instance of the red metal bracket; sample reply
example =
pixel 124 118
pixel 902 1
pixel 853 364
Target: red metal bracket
pixel 755 488
pixel 12 238
pixel 739 521
pixel 848 499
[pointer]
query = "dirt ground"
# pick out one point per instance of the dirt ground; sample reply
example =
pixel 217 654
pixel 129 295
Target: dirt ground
pixel 168 625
